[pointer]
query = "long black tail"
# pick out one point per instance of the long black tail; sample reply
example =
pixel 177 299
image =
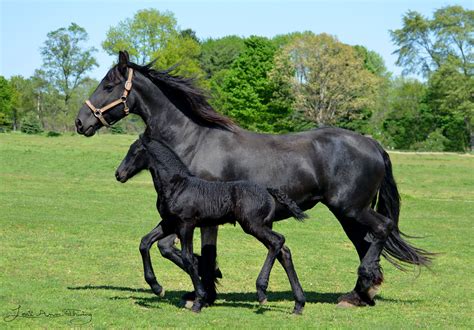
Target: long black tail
pixel 397 251
pixel 290 204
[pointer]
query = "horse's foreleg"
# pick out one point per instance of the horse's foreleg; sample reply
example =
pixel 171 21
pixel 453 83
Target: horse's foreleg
pixel 207 266
pixel 145 245
pixel 186 236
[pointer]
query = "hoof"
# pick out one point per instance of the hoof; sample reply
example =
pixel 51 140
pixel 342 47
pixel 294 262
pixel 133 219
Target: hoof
pixel 188 304
pixel 158 290
pixel 353 299
pixel 373 290
pixel 263 302
pixel 298 311
pixel 196 310
pixel 345 304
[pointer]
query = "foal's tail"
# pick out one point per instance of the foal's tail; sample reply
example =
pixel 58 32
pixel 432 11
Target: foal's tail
pixel 290 204
pixel 396 250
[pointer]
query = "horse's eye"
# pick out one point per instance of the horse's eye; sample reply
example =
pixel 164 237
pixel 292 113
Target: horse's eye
pixel 109 87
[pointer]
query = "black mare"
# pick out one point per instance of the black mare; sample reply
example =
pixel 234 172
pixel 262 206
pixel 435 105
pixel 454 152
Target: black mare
pixel 344 170
pixel 185 202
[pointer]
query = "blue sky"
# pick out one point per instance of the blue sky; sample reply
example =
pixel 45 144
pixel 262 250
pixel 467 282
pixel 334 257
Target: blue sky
pixel 25 23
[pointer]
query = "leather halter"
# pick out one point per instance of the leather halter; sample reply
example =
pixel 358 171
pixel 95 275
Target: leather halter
pixel 98 113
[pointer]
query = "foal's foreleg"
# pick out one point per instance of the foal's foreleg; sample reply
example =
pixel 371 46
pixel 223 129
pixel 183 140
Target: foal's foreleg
pixel 145 245
pixel 186 236
pixel 285 259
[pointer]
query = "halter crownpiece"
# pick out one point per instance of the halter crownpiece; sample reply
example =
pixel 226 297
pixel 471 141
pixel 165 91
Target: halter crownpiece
pixel 98 113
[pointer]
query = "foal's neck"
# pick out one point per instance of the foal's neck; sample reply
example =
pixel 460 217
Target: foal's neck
pixel 165 165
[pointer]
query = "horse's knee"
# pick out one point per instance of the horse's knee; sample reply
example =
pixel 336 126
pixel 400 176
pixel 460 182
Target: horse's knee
pixel 143 245
pixel 383 229
pixel 286 253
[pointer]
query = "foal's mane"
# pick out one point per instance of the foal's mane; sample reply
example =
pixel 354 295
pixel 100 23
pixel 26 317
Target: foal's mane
pixel 185 94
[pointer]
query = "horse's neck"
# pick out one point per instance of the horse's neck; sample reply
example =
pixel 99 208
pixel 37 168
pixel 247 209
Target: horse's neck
pixel 164 121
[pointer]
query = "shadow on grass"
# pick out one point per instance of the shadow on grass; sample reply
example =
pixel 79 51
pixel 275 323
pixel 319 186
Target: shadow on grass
pixel 225 299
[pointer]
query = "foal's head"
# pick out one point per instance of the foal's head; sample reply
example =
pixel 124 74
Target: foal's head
pixel 135 161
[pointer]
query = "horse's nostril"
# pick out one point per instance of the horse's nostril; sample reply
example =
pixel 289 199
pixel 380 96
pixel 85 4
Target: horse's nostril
pixel 78 123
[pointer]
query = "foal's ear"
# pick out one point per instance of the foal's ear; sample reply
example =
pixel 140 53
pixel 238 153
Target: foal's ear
pixel 123 62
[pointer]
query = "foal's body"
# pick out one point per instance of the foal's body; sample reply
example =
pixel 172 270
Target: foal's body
pixel 185 202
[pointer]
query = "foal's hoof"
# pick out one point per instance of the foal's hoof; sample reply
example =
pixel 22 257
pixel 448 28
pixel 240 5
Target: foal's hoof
pixel 263 301
pixel 298 311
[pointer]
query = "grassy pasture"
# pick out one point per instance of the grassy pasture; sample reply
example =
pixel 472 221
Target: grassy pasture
pixel 69 236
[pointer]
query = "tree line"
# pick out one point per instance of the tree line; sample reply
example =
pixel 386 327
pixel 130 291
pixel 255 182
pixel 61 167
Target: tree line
pixel 283 84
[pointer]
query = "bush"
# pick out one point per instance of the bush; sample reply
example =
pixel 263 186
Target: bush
pixel 53 134
pixel 5 123
pixel 435 141
pixel 117 129
pixel 31 125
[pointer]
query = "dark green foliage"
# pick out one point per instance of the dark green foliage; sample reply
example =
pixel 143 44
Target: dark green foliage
pixel 30 125
pixel 53 134
pixel 6 103
pixel 117 129
pixel 247 93
pixel 435 141
pixel 219 54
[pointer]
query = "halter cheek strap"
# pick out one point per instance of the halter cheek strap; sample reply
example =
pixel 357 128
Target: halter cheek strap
pixel 98 113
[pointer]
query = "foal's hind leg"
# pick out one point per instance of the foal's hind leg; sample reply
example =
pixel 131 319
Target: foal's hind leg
pixel 369 273
pixel 276 249
pixel 145 245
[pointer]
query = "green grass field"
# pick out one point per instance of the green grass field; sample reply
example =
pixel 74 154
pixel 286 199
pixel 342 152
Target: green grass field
pixel 69 239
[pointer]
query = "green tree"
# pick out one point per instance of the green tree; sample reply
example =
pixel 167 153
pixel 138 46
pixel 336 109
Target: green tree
pixel 328 78
pixel 67 61
pixel 409 119
pixel 247 92
pixel 183 51
pixel 219 54
pixel 451 96
pixel 142 36
pixel 154 35
pixel 424 44
pixel 22 101
pixel 6 102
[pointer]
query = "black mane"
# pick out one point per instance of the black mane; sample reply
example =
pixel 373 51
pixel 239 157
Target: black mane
pixel 185 95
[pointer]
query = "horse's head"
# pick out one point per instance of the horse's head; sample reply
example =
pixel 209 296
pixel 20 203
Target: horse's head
pixel 135 161
pixel 110 101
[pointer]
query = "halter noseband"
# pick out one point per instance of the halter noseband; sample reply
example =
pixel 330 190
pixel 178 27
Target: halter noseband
pixel 98 113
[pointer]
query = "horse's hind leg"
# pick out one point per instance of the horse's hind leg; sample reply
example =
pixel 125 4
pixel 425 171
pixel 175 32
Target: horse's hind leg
pixel 145 245
pixel 356 233
pixel 285 259
pixel 369 273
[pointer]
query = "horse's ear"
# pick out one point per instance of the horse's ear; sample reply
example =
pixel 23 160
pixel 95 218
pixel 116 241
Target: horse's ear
pixel 123 62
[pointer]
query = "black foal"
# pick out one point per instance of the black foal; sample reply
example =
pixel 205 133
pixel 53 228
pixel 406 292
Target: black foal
pixel 186 202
